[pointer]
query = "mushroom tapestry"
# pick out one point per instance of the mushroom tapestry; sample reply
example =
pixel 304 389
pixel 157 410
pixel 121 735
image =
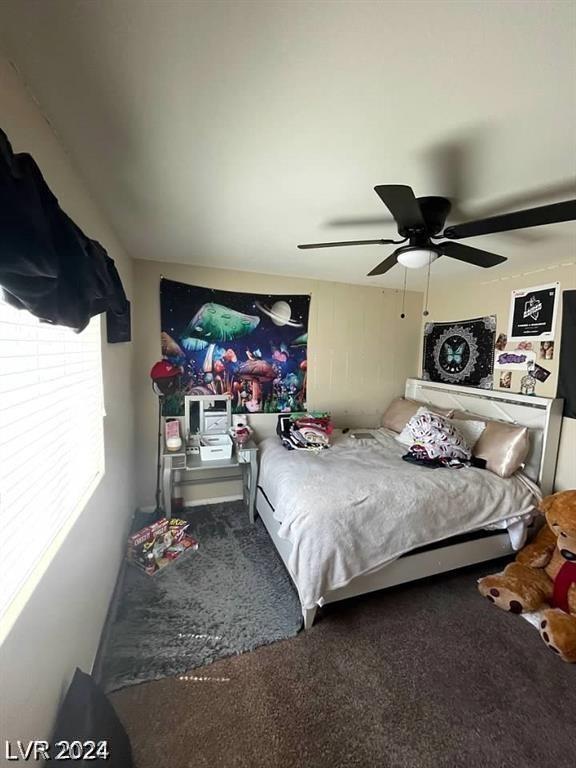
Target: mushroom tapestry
pixel 250 346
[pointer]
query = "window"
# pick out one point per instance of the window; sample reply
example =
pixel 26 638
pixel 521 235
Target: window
pixel 51 439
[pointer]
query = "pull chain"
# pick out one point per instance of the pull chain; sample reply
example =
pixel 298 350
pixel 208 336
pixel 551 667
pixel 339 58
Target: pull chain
pixel 403 315
pixel 426 313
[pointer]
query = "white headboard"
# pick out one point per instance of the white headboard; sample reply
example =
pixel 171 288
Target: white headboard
pixel 542 415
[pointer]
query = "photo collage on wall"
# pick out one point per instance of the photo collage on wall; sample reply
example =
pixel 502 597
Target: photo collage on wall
pixel 250 346
pixel 467 352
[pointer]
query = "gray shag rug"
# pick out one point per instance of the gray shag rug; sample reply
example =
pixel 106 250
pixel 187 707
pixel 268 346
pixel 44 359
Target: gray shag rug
pixel 230 596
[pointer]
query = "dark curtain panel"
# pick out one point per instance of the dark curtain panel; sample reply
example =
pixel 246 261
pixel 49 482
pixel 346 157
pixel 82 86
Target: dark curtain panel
pixel 47 264
pixel 567 370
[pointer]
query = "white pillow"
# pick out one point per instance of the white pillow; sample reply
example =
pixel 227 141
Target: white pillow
pixel 437 438
pixel 470 430
pixel 405 437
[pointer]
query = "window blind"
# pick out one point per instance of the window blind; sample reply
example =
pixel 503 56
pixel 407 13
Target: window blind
pixel 51 437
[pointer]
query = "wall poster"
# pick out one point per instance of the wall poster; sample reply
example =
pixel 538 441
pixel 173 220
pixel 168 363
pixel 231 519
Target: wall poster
pixel 251 346
pixel 460 353
pixel 533 312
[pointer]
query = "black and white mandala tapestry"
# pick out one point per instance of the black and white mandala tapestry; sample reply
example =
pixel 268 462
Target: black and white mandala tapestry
pixel 460 353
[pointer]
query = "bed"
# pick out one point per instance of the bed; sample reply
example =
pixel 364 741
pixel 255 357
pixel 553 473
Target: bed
pixel 356 518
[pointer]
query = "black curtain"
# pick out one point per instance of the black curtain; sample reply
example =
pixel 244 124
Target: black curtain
pixel 567 368
pixel 47 264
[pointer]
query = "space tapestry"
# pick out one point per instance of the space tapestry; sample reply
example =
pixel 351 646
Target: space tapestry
pixel 460 353
pixel 251 346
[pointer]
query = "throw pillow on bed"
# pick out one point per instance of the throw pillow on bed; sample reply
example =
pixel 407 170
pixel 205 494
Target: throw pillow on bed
pixel 437 436
pixel 401 410
pixel 406 437
pixel 469 429
pixel 504 447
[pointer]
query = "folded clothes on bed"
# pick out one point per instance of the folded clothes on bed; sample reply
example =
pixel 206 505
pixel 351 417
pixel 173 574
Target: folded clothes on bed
pixel 305 433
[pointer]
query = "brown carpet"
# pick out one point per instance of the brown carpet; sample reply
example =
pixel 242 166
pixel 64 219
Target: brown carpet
pixel 426 675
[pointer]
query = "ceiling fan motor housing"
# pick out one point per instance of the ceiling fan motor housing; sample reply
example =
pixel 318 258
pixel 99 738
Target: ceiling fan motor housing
pixel 435 211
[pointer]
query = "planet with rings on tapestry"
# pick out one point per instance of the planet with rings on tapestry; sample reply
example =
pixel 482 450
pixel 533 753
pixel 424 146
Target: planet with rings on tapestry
pixel 280 313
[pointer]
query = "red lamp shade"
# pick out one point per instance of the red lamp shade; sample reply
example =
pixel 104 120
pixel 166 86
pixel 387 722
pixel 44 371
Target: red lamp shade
pixel 165 376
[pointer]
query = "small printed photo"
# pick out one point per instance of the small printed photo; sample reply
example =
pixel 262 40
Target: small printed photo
pixel 506 379
pixel 540 373
pixel 501 342
pixel 546 350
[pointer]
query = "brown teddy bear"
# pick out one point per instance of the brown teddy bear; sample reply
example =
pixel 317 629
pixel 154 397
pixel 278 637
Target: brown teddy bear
pixel 544 576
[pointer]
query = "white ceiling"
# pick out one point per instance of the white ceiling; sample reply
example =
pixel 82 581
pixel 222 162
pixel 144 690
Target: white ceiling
pixel 224 133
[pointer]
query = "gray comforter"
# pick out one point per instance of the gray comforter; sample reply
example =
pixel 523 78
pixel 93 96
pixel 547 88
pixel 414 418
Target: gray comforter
pixel 357 506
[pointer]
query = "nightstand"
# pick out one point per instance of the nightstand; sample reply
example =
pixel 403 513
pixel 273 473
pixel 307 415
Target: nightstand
pixel 244 460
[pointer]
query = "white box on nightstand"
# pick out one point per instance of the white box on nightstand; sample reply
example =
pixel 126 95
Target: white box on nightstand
pixel 215 447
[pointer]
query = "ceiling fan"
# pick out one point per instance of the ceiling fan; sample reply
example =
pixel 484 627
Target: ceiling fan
pixel 420 221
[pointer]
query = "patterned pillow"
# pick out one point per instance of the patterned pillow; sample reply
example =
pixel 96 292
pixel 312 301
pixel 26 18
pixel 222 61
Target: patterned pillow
pixel 438 437
pixel 405 437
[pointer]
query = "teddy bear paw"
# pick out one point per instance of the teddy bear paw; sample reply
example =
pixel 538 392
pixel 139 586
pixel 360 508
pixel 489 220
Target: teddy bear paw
pixel 558 631
pixel 497 591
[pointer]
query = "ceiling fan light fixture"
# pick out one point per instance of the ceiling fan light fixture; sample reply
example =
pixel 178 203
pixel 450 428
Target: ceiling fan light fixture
pixel 414 257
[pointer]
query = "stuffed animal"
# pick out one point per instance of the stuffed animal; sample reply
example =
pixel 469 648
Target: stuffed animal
pixel 543 576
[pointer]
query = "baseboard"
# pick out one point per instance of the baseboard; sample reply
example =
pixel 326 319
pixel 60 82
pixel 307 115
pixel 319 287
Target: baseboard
pixel 148 510
pixel 214 500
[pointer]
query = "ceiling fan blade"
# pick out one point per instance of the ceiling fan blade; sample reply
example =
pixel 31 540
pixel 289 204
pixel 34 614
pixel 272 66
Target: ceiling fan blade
pixel 469 255
pixel 546 194
pixel 346 242
pixel 385 265
pixel 402 204
pixel 532 217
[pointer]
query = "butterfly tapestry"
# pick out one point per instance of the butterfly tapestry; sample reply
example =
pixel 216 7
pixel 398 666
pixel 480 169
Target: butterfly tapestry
pixel 455 355
pixel 460 353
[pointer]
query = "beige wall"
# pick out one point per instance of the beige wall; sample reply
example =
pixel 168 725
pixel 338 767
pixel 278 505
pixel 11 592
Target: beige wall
pixel 360 351
pixel 59 627
pixel 488 296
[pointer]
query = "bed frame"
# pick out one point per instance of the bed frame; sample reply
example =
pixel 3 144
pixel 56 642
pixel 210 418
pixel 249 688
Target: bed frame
pixel 543 416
